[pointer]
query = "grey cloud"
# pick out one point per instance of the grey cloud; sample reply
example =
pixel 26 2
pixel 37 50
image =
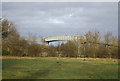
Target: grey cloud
pixel 62 18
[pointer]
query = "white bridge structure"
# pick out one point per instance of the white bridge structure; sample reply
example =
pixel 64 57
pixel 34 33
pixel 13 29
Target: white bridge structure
pixel 60 38
pixel 72 38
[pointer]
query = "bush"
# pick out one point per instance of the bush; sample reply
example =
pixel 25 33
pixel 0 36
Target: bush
pixel 5 52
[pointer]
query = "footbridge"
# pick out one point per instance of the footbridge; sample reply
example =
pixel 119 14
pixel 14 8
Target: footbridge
pixel 60 38
pixel 71 38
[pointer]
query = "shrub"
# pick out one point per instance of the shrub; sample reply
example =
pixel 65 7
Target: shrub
pixel 5 52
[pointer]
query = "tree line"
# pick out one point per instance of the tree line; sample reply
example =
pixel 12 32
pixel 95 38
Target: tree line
pixel 89 45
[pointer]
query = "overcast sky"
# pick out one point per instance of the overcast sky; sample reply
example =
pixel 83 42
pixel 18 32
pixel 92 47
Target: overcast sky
pixel 51 19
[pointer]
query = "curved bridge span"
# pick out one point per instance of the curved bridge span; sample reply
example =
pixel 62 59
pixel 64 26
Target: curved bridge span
pixel 71 37
pixel 60 38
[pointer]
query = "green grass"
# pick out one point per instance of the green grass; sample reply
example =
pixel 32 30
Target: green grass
pixel 67 68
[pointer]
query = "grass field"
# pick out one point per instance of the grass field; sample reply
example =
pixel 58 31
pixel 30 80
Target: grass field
pixel 65 68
